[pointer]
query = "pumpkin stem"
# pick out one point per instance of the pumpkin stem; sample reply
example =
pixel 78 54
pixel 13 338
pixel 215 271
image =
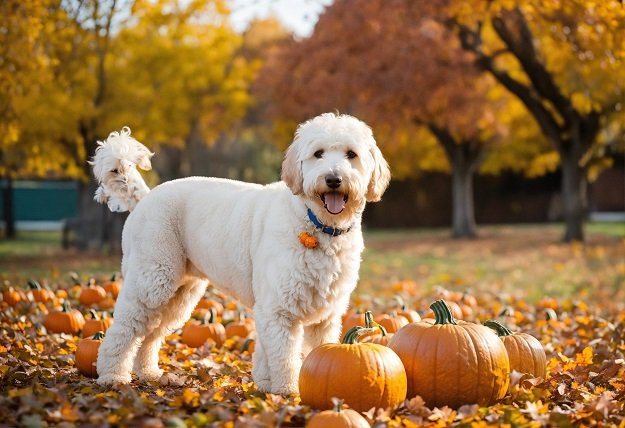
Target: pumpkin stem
pixel 442 313
pixel 34 284
pixel 499 328
pixel 209 317
pixel 246 345
pixel 93 314
pixel 550 314
pixel 352 335
pixel 114 277
pixel 67 306
pixel 338 404
pixel 369 323
pixel 98 336
pixel 75 278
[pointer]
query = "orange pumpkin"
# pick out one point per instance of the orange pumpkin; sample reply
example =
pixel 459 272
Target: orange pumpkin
pixel 451 363
pixel 87 354
pixel 353 320
pixel 455 308
pixel 392 322
pixel 67 320
pixel 106 303
pixel 364 375
pixel 247 345
pixel 525 352
pixel 241 328
pixel 96 323
pixel 410 314
pixel 195 335
pixel 113 286
pixel 379 334
pixel 338 418
pixel 38 293
pixel 11 296
pixel 210 304
pixel 91 294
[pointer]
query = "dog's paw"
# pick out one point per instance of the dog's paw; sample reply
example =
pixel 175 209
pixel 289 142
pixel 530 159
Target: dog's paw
pixel 114 379
pixel 284 389
pixel 263 385
pixel 149 375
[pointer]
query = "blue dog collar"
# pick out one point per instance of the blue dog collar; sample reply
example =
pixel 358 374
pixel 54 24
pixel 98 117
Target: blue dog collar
pixel 332 231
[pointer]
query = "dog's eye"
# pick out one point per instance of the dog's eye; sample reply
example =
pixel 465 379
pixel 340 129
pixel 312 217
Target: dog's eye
pixel 351 155
pixel 319 154
pixel 115 171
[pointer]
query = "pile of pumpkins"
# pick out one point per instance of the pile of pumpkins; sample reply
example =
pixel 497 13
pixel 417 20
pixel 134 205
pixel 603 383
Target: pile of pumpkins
pixel 446 361
pixel 60 317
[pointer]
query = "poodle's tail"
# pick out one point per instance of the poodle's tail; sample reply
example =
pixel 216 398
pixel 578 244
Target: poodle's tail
pixel 115 165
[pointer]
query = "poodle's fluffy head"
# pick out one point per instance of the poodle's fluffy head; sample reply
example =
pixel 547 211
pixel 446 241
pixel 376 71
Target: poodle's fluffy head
pixel 335 164
pixel 118 155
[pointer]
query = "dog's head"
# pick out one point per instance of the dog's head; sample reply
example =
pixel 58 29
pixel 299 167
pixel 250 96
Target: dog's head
pixel 116 156
pixel 334 162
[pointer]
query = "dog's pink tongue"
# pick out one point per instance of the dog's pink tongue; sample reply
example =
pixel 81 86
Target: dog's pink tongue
pixel 334 202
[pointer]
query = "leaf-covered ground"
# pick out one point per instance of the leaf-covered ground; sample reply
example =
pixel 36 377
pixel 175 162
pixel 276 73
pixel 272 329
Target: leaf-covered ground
pixel 583 335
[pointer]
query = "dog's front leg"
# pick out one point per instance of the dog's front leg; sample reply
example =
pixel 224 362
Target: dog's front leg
pixel 327 331
pixel 280 339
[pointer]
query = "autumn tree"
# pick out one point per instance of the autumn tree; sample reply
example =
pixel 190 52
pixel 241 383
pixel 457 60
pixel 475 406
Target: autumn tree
pixel 39 106
pixel 404 73
pixel 564 60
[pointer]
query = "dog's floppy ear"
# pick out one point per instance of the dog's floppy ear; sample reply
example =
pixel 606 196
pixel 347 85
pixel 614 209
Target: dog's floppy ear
pixel 291 171
pixel 379 178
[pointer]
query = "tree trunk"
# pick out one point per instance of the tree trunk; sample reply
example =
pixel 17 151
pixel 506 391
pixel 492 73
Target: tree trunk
pixel 573 196
pixel 465 158
pixel 8 212
pixel 463 210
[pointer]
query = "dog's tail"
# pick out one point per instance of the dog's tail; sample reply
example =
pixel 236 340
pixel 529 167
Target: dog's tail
pixel 115 164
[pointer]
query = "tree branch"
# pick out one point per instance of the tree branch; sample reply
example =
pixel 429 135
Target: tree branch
pixel 471 41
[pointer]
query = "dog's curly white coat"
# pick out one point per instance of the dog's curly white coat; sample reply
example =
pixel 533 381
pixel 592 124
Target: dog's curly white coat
pixel 244 239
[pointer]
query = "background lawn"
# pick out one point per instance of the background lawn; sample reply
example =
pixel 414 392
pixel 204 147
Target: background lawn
pixel 527 260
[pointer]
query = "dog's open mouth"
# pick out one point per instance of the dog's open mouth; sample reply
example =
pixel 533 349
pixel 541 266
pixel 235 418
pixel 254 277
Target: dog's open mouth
pixel 334 202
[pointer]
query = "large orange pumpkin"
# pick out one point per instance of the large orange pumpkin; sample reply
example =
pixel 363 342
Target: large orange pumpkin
pixel 451 363
pixel 338 418
pixel 364 375
pixel 67 320
pixel 96 323
pixel 525 352
pixel 195 335
pixel 87 354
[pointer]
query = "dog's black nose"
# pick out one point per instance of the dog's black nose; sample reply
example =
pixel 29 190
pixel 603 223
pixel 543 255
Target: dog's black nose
pixel 333 182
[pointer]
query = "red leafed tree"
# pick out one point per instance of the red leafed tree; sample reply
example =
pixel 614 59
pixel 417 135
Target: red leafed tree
pixel 401 72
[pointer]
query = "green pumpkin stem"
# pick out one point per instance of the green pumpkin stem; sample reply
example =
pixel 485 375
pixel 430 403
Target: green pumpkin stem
pixel 352 335
pixel 499 328
pixel 98 336
pixel 442 313
pixel 338 405
pixel 34 284
pixel 246 345
pixel 114 277
pixel 93 314
pixel 67 306
pixel 209 317
pixel 369 323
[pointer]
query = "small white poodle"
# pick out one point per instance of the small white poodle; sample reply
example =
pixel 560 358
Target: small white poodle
pixel 290 250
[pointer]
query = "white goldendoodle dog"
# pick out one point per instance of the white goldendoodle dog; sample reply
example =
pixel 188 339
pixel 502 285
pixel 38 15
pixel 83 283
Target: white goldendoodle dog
pixel 247 240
